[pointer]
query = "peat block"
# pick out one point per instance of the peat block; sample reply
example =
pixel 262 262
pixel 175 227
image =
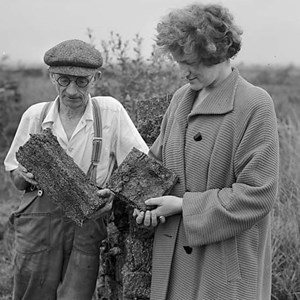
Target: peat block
pixel 139 254
pixel 59 177
pixel 136 285
pixel 140 177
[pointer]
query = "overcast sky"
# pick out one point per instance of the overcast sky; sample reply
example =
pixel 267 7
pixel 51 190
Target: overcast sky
pixel 28 28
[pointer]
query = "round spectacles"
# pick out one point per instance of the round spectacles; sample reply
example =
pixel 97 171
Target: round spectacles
pixel 80 81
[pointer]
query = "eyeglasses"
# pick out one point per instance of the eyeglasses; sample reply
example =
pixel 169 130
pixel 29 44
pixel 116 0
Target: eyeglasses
pixel 81 82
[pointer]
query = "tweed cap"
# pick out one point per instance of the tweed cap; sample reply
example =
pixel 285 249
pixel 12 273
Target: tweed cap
pixel 73 57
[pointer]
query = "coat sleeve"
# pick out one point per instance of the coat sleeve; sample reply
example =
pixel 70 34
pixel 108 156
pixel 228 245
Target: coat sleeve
pixel 219 214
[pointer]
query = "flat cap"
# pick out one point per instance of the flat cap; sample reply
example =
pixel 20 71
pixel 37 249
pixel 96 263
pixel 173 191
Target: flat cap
pixel 73 57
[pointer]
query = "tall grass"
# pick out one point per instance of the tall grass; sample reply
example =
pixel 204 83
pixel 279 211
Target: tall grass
pixel 286 217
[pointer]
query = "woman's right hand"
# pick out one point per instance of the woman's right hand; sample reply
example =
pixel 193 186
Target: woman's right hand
pixel 147 218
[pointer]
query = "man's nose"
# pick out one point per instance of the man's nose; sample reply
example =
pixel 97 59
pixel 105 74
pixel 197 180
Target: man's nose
pixel 72 88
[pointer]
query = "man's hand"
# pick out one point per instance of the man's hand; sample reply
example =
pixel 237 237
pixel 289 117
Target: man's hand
pixel 21 177
pixel 109 195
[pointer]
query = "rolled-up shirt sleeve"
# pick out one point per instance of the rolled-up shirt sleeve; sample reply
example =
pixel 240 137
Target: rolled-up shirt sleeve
pixel 127 136
pixel 28 124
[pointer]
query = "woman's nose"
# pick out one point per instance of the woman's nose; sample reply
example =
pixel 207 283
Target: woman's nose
pixel 185 72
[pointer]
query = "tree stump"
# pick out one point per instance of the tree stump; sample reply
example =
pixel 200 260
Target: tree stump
pixel 126 256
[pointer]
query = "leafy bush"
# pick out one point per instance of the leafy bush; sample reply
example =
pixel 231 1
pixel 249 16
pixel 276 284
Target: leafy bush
pixel 131 78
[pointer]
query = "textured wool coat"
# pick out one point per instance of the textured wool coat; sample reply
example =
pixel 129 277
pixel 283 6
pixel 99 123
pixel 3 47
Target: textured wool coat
pixel 225 152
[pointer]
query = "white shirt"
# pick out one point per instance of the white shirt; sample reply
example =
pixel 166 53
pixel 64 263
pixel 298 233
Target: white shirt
pixel 118 132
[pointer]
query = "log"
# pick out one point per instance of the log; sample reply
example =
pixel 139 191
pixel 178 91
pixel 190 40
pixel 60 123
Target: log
pixel 59 177
pixel 140 177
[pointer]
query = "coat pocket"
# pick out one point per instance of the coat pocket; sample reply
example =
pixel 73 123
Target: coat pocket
pixel 231 259
pixel 32 232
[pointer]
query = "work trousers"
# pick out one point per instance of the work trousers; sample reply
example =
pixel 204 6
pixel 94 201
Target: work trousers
pixel 55 259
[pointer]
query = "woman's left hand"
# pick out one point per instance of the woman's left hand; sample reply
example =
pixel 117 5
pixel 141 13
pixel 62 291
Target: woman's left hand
pixel 165 206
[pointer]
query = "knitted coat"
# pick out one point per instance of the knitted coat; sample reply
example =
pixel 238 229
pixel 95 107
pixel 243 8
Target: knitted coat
pixel 226 155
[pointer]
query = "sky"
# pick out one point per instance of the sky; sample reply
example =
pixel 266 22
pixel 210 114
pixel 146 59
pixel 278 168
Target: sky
pixel 28 28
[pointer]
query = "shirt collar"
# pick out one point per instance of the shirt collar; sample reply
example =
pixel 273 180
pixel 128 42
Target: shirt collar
pixel 52 114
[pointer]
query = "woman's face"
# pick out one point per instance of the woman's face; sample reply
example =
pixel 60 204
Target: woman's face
pixel 200 76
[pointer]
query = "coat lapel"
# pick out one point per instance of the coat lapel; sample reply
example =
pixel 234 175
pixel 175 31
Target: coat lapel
pixel 220 100
pixel 175 139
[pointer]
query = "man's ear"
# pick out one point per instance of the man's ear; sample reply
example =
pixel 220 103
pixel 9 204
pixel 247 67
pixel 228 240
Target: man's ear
pixel 51 75
pixel 98 75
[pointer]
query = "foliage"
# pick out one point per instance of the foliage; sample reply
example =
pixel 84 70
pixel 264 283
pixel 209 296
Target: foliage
pixel 130 78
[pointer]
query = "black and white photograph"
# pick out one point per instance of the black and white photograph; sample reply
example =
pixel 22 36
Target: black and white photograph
pixel 150 150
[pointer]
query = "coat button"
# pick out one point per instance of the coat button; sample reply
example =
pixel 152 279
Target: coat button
pixel 198 137
pixel 188 249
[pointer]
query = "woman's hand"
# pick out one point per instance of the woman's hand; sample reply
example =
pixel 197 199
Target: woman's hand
pixel 165 206
pixel 109 195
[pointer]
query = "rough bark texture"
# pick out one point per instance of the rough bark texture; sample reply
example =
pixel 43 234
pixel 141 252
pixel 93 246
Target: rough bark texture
pixel 125 268
pixel 126 255
pixel 139 178
pixel 149 114
pixel 59 177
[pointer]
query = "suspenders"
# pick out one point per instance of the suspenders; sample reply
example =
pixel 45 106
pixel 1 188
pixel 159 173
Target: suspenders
pixel 44 114
pixel 97 140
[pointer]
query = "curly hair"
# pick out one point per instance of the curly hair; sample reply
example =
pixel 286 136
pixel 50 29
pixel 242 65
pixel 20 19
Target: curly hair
pixel 202 33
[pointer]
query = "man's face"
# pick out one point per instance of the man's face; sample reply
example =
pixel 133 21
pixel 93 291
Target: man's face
pixel 73 91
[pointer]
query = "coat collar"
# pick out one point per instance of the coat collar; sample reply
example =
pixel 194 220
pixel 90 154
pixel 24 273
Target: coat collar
pixel 220 100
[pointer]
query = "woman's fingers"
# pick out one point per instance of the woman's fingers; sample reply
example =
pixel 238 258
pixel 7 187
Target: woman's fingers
pixel 140 217
pixel 148 218
pixel 162 219
pixel 154 221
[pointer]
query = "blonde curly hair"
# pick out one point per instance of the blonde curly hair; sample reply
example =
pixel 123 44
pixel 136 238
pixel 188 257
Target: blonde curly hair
pixel 200 33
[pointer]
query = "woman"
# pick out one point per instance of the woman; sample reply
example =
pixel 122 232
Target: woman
pixel 219 135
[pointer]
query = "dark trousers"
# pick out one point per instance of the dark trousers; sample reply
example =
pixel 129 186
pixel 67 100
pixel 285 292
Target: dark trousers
pixel 55 258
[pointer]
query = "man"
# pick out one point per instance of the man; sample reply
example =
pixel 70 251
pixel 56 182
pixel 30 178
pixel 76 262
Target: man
pixel 55 258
